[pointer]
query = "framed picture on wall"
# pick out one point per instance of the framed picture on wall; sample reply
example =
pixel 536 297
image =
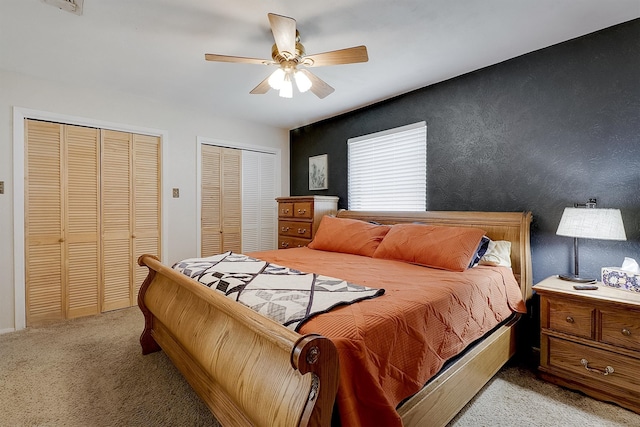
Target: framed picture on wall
pixel 318 173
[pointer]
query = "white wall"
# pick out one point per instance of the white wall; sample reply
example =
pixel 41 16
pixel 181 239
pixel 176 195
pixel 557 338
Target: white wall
pixel 182 126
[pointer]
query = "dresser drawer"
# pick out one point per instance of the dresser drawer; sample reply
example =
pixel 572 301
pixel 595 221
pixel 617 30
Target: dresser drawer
pixel 295 229
pixel 609 369
pixel 291 242
pixel 572 318
pixel 303 210
pixel 620 328
pixel 285 210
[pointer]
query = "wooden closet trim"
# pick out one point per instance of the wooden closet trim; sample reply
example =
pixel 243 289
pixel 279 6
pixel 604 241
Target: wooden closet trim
pixel 19 115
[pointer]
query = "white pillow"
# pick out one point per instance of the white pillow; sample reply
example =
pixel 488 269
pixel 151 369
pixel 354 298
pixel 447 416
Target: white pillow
pixel 498 254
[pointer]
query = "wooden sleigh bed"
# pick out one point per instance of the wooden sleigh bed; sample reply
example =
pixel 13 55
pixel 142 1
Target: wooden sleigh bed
pixel 232 355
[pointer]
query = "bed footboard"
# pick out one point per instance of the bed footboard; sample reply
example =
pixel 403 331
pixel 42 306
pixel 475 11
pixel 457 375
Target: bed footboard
pixel 248 369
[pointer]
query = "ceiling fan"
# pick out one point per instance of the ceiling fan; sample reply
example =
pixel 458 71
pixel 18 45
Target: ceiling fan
pixel 288 54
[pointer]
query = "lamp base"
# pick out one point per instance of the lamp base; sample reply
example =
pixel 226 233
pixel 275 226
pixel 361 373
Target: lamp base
pixel 576 279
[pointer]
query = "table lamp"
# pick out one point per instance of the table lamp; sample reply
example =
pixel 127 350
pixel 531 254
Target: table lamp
pixel 588 222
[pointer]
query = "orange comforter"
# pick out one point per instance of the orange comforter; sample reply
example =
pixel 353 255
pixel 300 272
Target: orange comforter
pixel 390 346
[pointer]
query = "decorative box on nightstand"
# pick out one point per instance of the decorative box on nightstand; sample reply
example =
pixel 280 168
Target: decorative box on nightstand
pixel 590 340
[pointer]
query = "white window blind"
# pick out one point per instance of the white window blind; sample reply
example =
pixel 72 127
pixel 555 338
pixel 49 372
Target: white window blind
pixel 388 170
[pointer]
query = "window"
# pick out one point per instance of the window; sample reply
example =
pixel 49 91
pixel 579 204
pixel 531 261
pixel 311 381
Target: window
pixel 388 170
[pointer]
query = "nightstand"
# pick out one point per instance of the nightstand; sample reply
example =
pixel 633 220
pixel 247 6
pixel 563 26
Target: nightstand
pixel 590 340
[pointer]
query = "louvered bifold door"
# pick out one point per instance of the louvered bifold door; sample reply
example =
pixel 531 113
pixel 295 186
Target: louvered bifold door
pixel 116 219
pixel 146 204
pixel 210 202
pixel 81 222
pixel 43 222
pixel 231 200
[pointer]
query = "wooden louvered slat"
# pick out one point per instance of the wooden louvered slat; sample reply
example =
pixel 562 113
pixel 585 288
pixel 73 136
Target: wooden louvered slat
pixel 43 222
pixel 116 220
pixel 146 204
pixel 210 226
pixel 81 169
pixel 116 254
pixel 231 200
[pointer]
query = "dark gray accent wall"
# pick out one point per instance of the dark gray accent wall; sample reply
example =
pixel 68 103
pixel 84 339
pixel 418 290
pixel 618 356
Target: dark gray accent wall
pixel 538 132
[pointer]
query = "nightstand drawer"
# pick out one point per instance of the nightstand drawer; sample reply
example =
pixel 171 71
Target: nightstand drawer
pixel 620 328
pixel 596 364
pixel 294 229
pixel 572 318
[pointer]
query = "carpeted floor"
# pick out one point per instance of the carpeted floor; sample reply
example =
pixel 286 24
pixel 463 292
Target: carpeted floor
pixel 90 372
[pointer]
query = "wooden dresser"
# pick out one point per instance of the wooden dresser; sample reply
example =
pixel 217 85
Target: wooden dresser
pixel 299 217
pixel 590 340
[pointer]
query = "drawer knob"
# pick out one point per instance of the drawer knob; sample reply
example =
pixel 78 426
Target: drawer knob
pixel 302 211
pixel 608 370
pixel 285 211
pixel 284 244
pixel 570 319
pixel 285 229
pixel 302 230
pixel 626 332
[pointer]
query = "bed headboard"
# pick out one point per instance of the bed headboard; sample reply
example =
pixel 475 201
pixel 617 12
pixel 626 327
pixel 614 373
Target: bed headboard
pixel 511 226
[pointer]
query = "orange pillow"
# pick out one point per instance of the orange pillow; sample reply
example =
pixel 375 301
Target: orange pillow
pixel 447 248
pixel 349 236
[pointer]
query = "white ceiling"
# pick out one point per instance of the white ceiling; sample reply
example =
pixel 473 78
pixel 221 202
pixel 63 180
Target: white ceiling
pixel 155 48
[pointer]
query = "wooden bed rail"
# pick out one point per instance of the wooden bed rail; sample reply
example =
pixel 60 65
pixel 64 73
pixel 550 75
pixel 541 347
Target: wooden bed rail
pixel 249 369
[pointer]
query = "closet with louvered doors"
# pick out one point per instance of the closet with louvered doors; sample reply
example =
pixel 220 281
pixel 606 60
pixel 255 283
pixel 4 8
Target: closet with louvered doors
pixel 130 213
pixel 92 206
pixel 62 219
pixel 221 200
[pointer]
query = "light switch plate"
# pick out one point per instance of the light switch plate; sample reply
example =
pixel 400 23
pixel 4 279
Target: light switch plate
pixel 176 193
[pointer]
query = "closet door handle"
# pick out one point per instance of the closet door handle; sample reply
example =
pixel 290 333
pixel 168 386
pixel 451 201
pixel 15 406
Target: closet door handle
pixel 61 240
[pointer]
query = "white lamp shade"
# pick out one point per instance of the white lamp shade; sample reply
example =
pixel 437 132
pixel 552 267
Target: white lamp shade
pixel 593 223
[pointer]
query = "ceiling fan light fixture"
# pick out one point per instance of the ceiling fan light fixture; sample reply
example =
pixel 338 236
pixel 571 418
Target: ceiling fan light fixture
pixel 302 81
pixel 286 90
pixel 276 79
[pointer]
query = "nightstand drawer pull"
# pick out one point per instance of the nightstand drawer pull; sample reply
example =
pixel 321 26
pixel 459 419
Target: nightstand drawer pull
pixel 285 229
pixel 285 211
pixel 284 244
pixel 626 332
pixel 302 230
pixel 302 211
pixel 608 370
pixel 570 319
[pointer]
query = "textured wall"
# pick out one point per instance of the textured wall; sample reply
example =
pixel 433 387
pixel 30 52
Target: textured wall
pixel 538 132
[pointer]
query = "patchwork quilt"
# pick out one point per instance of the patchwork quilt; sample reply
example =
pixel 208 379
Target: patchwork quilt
pixel 288 296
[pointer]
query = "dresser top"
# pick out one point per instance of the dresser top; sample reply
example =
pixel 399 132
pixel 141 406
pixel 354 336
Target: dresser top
pixel 554 284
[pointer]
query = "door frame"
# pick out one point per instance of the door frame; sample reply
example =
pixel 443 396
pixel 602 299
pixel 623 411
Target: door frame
pixel 200 141
pixel 19 115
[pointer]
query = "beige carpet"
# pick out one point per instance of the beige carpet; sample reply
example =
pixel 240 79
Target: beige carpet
pixel 90 372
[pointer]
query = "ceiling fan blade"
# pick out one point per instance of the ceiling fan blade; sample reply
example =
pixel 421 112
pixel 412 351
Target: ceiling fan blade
pixel 241 59
pixel 349 55
pixel 284 33
pixel 318 86
pixel 262 88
